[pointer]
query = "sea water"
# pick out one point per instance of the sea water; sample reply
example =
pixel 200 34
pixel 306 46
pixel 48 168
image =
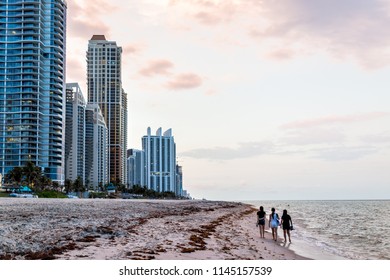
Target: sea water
pixel 358 229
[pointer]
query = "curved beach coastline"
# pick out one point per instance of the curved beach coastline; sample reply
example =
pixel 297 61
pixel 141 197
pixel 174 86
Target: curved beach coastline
pixel 134 229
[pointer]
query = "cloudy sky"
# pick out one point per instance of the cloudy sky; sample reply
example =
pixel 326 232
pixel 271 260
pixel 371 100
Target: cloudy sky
pixel 267 99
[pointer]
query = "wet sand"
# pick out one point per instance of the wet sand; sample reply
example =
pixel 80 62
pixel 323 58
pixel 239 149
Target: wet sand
pixel 74 229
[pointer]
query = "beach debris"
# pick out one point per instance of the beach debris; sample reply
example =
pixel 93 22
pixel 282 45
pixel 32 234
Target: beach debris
pixel 124 229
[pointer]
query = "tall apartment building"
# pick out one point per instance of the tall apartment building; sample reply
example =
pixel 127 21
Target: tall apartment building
pixel 104 70
pixel 86 145
pixel 32 85
pixel 179 180
pixel 75 133
pixel 136 168
pixel 96 147
pixel 160 160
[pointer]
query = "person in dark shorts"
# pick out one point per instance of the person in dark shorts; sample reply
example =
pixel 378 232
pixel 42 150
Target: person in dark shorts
pixel 287 225
pixel 261 221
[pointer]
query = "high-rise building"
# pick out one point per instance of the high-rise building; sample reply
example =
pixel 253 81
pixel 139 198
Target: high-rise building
pixel 124 140
pixel 136 168
pixel 179 180
pixel 104 63
pixel 96 148
pixel 160 161
pixel 32 85
pixel 75 133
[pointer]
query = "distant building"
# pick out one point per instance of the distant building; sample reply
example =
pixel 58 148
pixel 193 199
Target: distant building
pixel 160 161
pixel 179 180
pixel 136 168
pixel 186 194
pixel 75 133
pixel 96 151
pixel 104 71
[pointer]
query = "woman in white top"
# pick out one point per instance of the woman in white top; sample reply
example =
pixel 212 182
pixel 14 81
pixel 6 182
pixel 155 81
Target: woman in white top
pixel 274 223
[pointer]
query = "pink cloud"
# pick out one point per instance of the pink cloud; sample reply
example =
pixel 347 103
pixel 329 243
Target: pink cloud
pixel 85 29
pixel 344 29
pixel 330 120
pixel 86 20
pixel 132 48
pixel 207 18
pixel 348 29
pixel 157 67
pixel 211 92
pixel 185 81
pixel 76 73
pixel 210 12
pixel 163 67
pixel 91 8
pixel 281 54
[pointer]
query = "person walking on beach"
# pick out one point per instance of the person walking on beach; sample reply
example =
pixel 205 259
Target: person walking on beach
pixel 287 225
pixel 261 221
pixel 273 223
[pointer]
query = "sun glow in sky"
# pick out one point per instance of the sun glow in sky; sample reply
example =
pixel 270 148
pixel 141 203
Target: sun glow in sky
pixel 266 99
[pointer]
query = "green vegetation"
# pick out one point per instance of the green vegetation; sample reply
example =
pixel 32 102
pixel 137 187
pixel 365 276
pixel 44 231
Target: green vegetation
pixel 74 186
pixel 51 194
pixel 97 195
pixel 31 176
pixel 148 193
pixel 34 177
pixel 3 194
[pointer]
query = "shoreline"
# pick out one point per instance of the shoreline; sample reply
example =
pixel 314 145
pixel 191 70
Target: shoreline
pixel 301 247
pixel 88 229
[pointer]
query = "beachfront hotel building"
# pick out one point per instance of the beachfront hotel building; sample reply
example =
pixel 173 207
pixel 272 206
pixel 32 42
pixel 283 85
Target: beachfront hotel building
pixel 160 161
pixel 136 168
pixel 104 81
pixel 96 147
pixel 32 85
pixel 75 133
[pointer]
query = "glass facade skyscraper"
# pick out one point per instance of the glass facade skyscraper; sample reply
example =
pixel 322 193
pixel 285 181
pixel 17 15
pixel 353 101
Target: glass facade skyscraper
pixel 32 84
pixel 160 161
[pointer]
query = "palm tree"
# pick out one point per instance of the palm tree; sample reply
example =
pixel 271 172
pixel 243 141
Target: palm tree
pixel 68 185
pixel 32 174
pixel 43 182
pixel 15 176
pixel 55 186
pixel 78 185
pixel 100 187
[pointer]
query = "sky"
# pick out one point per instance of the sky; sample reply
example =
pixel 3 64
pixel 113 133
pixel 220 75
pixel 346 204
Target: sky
pixel 267 99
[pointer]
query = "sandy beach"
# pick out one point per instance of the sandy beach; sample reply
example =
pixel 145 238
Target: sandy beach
pixel 74 229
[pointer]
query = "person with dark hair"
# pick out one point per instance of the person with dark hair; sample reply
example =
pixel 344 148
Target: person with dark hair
pixel 287 225
pixel 274 223
pixel 261 221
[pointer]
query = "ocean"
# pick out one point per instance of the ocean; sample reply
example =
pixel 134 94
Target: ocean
pixel 349 229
